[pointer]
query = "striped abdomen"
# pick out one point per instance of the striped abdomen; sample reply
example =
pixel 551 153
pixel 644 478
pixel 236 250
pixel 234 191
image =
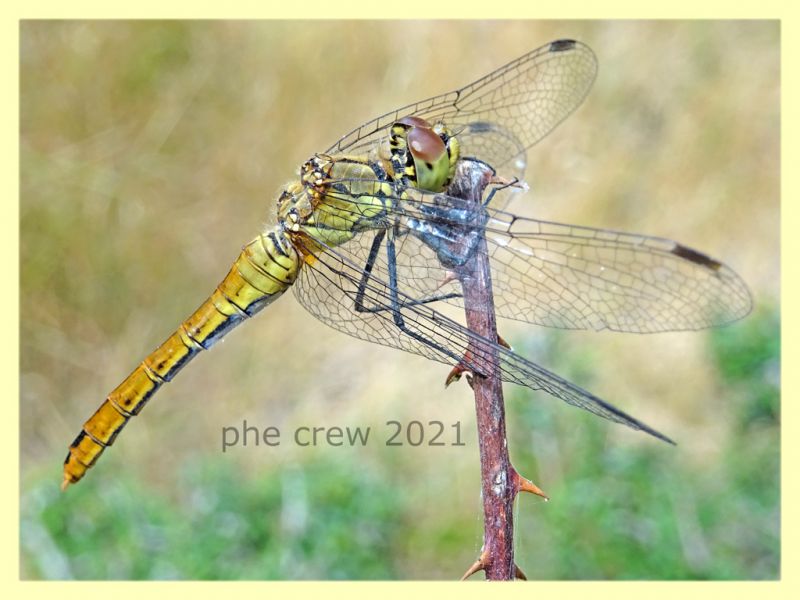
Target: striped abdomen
pixel 264 270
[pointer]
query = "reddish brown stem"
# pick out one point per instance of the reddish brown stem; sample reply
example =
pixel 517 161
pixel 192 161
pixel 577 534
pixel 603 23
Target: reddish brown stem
pixel 498 477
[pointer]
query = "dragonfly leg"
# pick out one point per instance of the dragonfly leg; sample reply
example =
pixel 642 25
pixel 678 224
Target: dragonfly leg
pixel 501 184
pixel 397 316
pixel 366 272
pixel 463 363
pixel 462 366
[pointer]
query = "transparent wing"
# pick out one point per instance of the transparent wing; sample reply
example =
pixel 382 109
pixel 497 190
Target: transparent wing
pixel 575 277
pixel 499 116
pixel 337 289
pixel 557 275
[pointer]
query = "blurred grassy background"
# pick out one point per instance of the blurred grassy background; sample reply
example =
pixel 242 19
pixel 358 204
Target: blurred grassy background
pixel 152 151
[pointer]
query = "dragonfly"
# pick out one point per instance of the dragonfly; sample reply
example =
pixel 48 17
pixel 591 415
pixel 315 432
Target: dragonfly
pixel 368 238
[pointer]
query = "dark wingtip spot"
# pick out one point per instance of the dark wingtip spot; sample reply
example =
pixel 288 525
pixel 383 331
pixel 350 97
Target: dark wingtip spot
pixel 562 45
pixel 696 257
pixel 480 127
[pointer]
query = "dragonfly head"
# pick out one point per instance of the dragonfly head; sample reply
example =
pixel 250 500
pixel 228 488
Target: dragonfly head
pixel 422 154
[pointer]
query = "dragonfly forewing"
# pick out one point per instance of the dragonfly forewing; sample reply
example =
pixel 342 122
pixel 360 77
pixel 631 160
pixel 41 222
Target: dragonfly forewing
pixel 559 275
pixel 501 115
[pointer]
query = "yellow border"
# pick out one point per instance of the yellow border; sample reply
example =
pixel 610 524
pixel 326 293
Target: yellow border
pixel 412 8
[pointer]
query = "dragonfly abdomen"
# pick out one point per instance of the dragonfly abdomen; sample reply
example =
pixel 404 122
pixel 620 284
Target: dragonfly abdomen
pixel 265 269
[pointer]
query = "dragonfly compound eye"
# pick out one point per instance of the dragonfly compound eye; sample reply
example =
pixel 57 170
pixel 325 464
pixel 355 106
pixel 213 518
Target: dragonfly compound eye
pixel 425 144
pixel 414 122
pixel 431 159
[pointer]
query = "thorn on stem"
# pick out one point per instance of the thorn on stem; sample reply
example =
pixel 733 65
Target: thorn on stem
pixel 478 565
pixel 455 374
pixel 518 574
pixel 525 485
pixel 503 343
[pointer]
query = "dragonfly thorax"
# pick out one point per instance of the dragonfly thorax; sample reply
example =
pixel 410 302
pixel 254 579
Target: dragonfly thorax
pixel 335 198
